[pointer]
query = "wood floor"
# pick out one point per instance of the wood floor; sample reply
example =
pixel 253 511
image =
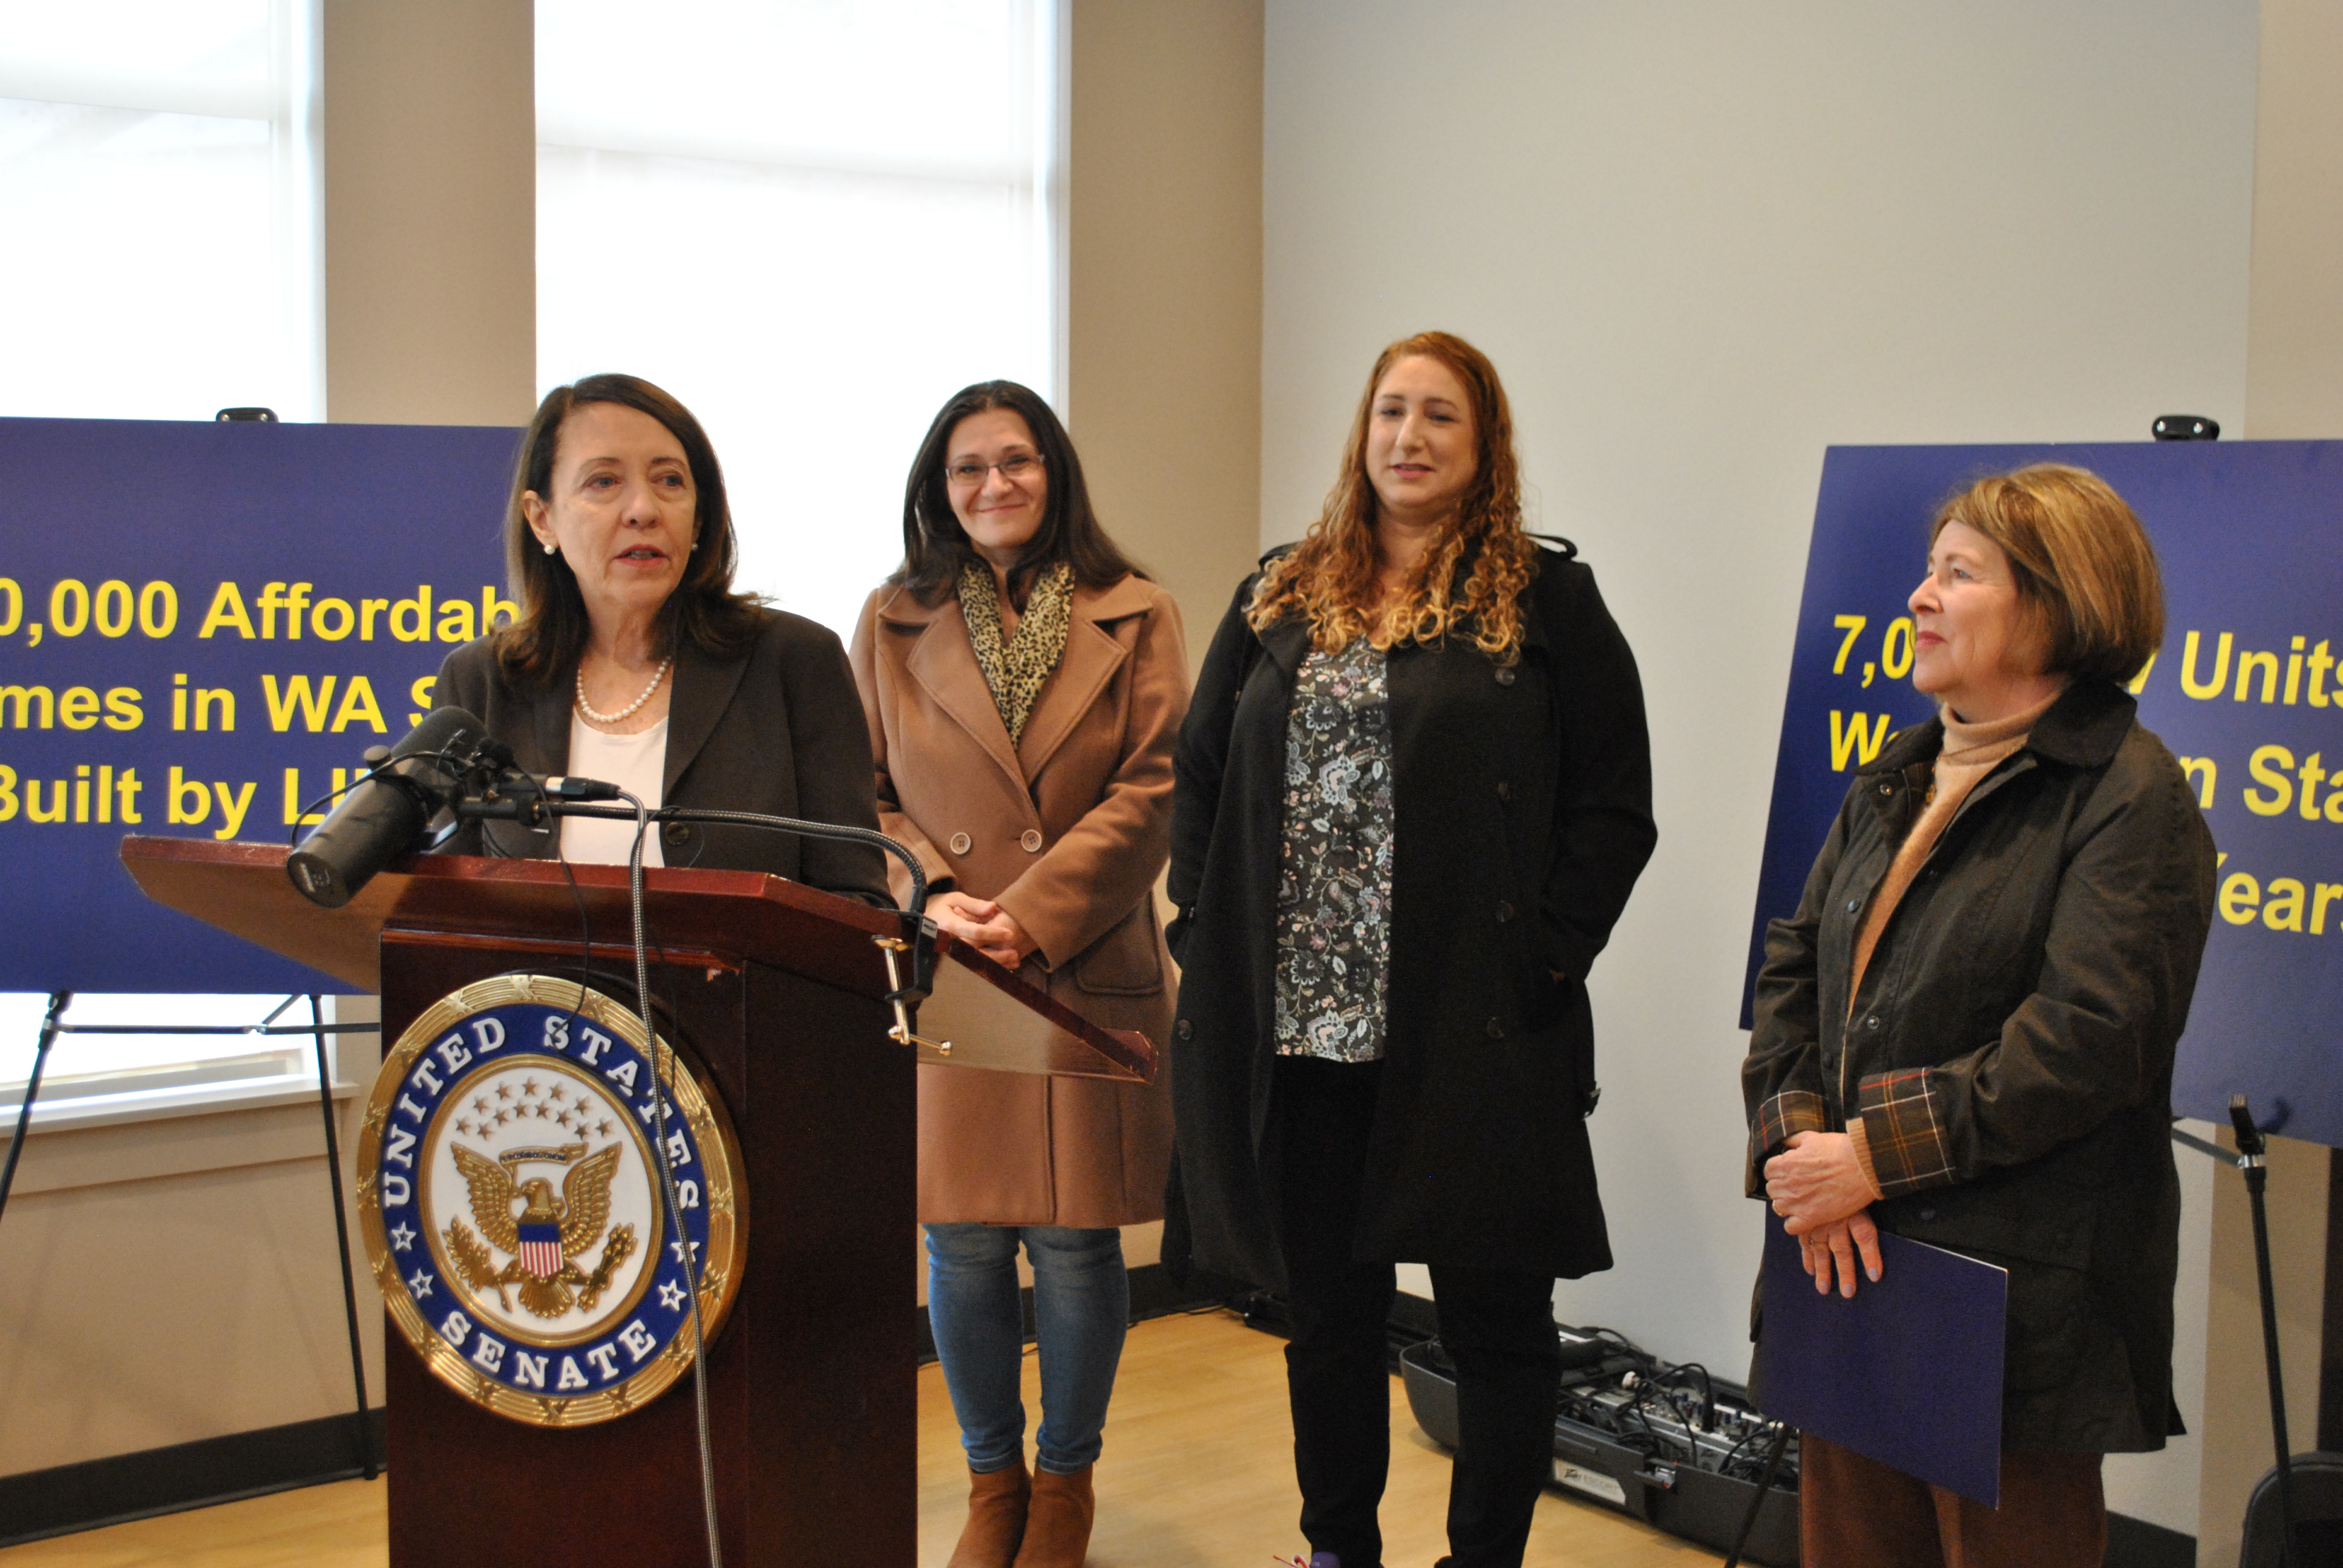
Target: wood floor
pixel 1197 1473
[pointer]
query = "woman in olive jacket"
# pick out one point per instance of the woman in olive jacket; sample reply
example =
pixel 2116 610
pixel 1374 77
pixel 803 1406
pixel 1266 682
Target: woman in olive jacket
pixel 1430 731
pixel 1965 1033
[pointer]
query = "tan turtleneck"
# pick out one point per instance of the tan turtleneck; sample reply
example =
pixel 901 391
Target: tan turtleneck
pixel 1970 752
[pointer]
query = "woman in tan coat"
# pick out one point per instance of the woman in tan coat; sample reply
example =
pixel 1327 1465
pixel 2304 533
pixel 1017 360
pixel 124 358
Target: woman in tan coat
pixel 1025 684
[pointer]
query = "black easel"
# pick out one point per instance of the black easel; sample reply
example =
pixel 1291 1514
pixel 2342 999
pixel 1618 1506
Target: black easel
pixel 50 1025
pixel 1764 1485
pixel 342 1235
pixel 54 1025
pixel 2252 1159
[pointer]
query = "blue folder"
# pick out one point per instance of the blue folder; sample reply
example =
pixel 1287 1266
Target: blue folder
pixel 1909 1372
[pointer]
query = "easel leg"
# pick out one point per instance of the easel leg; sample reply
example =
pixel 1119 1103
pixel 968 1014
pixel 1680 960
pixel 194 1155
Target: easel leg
pixel 342 1236
pixel 1764 1485
pixel 58 1002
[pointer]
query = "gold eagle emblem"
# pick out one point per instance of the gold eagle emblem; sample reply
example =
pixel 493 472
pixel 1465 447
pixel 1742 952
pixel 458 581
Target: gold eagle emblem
pixel 549 1284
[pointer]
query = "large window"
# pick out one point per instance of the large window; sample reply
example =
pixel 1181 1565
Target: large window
pixel 156 178
pixel 158 193
pixel 811 221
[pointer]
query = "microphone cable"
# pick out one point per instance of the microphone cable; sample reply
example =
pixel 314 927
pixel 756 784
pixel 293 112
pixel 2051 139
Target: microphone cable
pixel 670 1199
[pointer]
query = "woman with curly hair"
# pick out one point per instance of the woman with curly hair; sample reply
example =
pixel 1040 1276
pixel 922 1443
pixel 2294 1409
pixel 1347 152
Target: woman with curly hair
pixel 1413 792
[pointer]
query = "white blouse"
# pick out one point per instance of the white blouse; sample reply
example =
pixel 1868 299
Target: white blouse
pixel 635 763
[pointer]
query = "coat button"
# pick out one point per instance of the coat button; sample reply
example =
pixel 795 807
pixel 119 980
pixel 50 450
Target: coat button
pixel 1871 1022
pixel 677 833
pixel 1505 790
pixel 1927 1214
pixel 1030 840
pixel 1183 1030
pixel 1495 1030
pixel 1853 905
pixel 1505 675
pixel 959 842
pixel 1505 912
pixel 1887 789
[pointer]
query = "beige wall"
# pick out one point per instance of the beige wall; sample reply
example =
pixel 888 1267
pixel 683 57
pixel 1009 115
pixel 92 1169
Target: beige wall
pixel 430 211
pixel 1163 300
pixel 166 1281
pixel 2294 390
pixel 1164 303
pixel 2294 354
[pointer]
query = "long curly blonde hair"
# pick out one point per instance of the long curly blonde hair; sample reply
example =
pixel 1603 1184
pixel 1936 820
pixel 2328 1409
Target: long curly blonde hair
pixel 1332 577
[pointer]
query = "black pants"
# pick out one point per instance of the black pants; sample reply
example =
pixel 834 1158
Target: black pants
pixel 1496 1324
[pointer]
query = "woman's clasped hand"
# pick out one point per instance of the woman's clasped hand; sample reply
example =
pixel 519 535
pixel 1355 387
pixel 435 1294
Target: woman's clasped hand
pixel 1818 1187
pixel 982 925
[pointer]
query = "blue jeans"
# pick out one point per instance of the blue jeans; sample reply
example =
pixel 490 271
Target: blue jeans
pixel 1082 1304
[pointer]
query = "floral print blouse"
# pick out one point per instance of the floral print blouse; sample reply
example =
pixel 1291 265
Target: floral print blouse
pixel 1334 889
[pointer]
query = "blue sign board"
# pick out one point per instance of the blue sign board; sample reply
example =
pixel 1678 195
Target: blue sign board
pixel 202 626
pixel 2245 691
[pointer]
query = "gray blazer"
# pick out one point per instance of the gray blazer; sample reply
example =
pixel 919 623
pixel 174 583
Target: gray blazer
pixel 779 731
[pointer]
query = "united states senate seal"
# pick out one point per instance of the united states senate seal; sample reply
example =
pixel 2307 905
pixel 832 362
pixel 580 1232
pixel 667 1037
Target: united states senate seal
pixel 512 1213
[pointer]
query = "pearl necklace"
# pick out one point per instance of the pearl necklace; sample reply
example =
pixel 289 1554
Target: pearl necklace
pixel 588 709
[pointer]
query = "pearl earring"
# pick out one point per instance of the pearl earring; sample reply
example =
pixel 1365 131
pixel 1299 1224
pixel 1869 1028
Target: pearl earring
pixel 549 549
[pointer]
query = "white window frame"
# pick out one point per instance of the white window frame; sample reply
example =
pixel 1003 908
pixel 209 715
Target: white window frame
pixel 289 103
pixel 92 1079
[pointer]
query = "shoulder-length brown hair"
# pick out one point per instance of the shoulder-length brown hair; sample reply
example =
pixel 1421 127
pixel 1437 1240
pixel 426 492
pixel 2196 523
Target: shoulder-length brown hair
pixel 935 545
pixel 547 637
pixel 2089 587
pixel 1332 577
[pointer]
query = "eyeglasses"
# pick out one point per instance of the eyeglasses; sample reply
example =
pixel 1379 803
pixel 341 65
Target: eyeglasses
pixel 1015 469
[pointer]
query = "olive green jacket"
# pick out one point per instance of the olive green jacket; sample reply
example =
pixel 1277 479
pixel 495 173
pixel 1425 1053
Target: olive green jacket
pixel 2010 1050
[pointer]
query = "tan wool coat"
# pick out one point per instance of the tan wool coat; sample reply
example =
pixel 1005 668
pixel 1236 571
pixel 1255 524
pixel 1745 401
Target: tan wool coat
pixel 1067 831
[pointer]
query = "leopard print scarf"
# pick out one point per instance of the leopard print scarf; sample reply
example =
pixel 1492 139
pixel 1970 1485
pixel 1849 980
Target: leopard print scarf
pixel 1017 667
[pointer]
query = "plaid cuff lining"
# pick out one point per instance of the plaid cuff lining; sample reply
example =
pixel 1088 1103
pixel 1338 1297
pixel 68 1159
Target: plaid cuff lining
pixel 1903 1128
pixel 1790 1112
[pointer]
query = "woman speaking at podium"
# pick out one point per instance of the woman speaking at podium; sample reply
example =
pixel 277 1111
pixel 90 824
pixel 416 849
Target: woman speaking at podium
pixel 1964 1034
pixel 633 661
pixel 1414 792
pixel 1023 683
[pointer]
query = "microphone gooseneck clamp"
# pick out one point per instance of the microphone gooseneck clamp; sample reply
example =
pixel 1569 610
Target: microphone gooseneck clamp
pixel 509 794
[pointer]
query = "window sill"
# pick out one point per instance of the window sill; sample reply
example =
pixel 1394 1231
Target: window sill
pixel 63 1112
pixel 106 1139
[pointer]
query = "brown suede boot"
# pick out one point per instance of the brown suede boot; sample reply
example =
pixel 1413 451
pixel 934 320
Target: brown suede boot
pixel 996 1517
pixel 1058 1520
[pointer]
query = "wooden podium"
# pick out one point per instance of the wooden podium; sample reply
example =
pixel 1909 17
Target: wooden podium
pixel 773 991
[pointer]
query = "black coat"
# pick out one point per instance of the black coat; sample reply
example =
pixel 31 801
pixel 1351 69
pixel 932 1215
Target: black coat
pixel 2010 1050
pixel 1521 799
pixel 778 729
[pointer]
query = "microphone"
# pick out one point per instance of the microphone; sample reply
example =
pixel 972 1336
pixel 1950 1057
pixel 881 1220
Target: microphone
pixel 383 818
